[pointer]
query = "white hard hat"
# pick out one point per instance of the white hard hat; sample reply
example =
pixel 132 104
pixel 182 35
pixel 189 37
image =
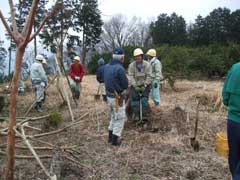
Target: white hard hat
pixel 137 52
pixel 39 57
pixel 152 53
pixel 77 58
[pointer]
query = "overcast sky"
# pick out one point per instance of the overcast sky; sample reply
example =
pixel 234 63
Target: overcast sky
pixel 150 9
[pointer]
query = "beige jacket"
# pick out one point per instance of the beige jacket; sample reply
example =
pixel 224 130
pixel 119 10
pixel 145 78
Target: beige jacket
pixel 142 77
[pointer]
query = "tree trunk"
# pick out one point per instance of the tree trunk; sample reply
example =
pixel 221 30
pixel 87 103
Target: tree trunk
pixel 9 171
pixel 83 48
pixel 35 42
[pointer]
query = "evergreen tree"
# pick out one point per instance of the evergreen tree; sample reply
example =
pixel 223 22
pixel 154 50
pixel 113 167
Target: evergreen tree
pixel 169 30
pixel 235 26
pixel 87 19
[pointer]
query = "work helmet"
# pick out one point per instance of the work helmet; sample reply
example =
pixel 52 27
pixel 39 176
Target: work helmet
pixel 152 53
pixel 137 52
pixel 101 62
pixel 77 58
pixel 39 57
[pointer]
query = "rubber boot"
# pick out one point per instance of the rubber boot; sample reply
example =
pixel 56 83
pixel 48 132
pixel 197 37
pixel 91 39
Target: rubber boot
pixel 39 107
pixel 44 97
pixel 110 133
pixel 115 141
pixel 77 94
pixel 104 98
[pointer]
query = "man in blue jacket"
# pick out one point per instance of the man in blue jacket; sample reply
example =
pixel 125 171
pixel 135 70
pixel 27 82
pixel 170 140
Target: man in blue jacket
pixel 116 83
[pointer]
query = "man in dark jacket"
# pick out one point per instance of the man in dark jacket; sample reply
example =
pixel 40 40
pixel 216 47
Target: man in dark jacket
pixel 116 83
pixel 100 78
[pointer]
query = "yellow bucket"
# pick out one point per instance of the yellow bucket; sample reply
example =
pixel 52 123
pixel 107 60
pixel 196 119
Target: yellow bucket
pixel 222 144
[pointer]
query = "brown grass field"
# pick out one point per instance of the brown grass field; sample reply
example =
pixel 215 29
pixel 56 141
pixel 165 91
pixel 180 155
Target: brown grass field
pixel 160 150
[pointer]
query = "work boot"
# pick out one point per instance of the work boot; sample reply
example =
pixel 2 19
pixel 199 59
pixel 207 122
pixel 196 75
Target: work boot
pixel 39 107
pixel 110 133
pixel 115 141
pixel 104 98
pixel 77 94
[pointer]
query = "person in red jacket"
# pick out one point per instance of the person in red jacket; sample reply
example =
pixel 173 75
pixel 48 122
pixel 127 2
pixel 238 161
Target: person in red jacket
pixel 77 71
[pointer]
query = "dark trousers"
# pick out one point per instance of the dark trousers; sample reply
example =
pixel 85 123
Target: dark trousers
pixel 233 131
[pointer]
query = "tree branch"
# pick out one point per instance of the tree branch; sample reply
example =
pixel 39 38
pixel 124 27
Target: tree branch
pixel 30 21
pixel 13 20
pixel 7 27
pixel 55 9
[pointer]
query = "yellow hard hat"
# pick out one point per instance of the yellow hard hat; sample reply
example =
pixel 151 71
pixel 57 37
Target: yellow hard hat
pixel 137 52
pixel 77 58
pixel 152 53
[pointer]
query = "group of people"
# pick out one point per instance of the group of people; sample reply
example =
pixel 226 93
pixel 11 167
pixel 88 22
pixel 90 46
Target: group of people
pixel 39 79
pixel 143 77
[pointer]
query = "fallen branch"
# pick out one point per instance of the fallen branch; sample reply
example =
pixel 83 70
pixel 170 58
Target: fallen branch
pixel 59 130
pixel 35 148
pixel 75 162
pixel 2 153
pixel 34 119
pixel 33 128
pixel 22 134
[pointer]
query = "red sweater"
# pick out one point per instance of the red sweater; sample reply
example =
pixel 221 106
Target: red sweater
pixel 77 70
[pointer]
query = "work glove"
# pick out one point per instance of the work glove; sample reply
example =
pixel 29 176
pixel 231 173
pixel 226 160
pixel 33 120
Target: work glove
pixel 43 84
pixel 77 78
pixel 155 85
pixel 140 89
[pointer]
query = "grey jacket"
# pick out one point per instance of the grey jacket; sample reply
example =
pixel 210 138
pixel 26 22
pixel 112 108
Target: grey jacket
pixel 142 77
pixel 156 69
pixel 37 73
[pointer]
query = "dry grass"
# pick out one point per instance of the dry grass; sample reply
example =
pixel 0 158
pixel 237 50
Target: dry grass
pixel 163 154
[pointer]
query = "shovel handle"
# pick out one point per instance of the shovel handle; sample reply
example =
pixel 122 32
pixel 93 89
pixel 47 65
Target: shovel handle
pixel 196 122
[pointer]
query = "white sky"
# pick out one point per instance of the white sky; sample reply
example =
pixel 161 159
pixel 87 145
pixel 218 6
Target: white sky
pixel 150 9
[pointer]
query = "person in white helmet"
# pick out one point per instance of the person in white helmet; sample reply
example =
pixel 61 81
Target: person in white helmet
pixel 39 81
pixel 77 71
pixel 156 75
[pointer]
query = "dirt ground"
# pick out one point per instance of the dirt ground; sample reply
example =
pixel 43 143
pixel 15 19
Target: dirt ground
pixel 159 150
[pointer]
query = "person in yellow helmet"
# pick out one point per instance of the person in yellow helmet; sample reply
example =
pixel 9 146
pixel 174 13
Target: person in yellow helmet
pixel 156 75
pixel 139 73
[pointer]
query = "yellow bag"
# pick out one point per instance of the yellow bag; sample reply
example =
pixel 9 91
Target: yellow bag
pixel 222 144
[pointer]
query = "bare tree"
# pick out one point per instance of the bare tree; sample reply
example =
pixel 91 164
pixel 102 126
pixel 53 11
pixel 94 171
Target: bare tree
pixel 21 40
pixel 119 32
